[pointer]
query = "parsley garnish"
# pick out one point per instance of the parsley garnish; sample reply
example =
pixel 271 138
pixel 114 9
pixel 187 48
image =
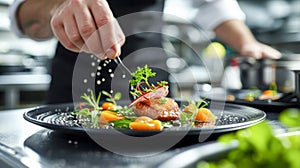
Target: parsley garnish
pixel 141 75
pixel 140 81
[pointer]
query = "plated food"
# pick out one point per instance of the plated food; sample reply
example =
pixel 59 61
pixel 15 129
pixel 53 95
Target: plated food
pixel 270 94
pixel 151 109
pixel 150 112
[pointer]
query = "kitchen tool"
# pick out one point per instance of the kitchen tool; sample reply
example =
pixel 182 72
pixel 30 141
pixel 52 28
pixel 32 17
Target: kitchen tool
pixel 255 73
pixel 119 61
pixel 293 66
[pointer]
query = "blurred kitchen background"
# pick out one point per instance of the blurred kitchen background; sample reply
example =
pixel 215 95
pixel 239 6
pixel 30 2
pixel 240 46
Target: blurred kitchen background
pixel 24 64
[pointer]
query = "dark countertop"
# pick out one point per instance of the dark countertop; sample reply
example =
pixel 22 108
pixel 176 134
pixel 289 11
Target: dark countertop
pixel 49 148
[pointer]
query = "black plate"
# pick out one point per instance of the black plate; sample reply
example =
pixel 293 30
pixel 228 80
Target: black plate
pixel 220 94
pixel 58 117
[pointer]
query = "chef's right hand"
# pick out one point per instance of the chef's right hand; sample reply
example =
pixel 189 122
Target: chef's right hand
pixel 89 26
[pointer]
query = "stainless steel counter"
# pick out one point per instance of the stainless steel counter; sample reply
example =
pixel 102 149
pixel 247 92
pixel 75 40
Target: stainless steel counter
pixel 47 148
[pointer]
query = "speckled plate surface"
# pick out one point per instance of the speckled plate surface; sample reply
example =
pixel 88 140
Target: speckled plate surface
pixel 59 117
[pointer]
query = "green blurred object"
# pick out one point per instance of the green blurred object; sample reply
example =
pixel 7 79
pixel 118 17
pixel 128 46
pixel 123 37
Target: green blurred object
pixel 290 117
pixel 259 147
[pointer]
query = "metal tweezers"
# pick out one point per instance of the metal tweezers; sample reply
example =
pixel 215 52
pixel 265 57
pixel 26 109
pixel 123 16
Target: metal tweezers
pixel 119 61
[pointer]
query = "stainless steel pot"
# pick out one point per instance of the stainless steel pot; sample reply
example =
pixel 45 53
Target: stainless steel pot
pixel 261 73
pixel 291 62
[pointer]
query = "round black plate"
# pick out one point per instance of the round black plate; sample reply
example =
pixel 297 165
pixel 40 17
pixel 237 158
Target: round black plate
pixel 59 117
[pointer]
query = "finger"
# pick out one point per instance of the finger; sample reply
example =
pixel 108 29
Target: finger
pixel 117 48
pixel 251 53
pixel 111 35
pixel 112 38
pixel 269 52
pixel 59 31
pixel 87 28
pixel 251 50
pixel 72 31
pixel 113 52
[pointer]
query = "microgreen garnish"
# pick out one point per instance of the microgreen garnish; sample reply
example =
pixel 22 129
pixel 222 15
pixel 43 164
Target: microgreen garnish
pixel 273 87
pixel 140 81
pixel 112 98
pixel 163 100
pixel 142 75
pixel 91 100
pixel 188 117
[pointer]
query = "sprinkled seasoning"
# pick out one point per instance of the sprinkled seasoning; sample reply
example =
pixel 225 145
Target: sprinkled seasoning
pixel 98 82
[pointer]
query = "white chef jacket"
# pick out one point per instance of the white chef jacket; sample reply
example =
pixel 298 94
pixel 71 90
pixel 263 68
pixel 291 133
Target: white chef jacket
pixel 211 13
pixel 13 20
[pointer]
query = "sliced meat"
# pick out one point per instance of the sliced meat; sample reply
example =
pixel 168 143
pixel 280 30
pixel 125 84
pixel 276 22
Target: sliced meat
pixel 164 109
pixel 158 93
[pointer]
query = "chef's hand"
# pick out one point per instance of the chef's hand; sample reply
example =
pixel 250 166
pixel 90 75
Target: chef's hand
pixel 89 26
pixel 259 50
pixel 237 35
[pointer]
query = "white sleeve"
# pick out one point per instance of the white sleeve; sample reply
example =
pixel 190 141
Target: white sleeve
pixel 13 20
pixel 211 13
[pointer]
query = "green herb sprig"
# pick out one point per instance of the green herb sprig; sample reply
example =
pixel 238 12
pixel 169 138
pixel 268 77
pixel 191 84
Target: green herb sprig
pixel 91 100
pixel 141 77
pixel 188 118
pixel 112 98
